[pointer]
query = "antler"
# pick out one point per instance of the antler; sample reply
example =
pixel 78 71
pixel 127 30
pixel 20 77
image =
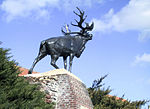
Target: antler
pixel 63 31
pixel 81 15
pixel 82 19
pixel 67 29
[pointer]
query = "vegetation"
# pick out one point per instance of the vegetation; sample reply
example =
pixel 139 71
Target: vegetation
pixel 15 92
pixel 102 100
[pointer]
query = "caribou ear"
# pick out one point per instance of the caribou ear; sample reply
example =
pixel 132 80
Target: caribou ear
pixel 91 26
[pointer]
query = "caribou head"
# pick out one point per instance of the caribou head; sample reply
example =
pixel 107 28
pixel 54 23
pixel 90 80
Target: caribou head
pixel 84 30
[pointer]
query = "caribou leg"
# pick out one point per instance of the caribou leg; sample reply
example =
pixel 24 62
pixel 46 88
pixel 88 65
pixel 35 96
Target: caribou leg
pixel 70 61
pixel 65 61
pixel 39 57
pixel 54 58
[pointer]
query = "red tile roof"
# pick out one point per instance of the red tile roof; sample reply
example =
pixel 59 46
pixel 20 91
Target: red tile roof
pixel 25 71
pixel 117 98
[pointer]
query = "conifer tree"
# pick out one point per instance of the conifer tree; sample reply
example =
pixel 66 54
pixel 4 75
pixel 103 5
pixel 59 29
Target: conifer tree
pixel 16 92
pixel 102 100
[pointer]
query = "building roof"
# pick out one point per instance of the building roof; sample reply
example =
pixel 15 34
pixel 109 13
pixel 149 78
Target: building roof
pixel 117 98
pixel 25 71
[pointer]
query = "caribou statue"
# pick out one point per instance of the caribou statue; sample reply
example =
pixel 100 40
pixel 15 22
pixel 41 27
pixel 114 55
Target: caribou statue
pixel 71 44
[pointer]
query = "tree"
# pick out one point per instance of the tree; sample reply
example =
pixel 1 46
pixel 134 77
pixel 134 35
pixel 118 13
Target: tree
pixel 16 92
pixel 102 100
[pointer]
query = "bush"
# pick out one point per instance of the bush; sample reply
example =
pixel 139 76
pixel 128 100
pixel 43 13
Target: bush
pixel 102 100
pixel 16 92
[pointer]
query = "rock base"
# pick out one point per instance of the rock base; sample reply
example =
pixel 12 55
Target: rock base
pixel 63 88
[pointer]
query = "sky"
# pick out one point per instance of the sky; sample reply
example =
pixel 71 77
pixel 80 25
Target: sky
pixel 120 45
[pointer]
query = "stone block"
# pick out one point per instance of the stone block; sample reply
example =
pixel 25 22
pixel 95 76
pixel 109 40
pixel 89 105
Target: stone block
pixel 63 88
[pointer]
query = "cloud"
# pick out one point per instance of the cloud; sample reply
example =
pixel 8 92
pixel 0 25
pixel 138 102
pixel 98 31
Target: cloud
pixel 134 16
pixel 23 8
pixel 14 9
pixel 145 58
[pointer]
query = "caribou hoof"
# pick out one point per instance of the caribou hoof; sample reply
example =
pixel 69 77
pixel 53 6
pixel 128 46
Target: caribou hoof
pixel 29 72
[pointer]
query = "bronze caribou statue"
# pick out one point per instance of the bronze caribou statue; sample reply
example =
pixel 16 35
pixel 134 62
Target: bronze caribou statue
pixel 71 44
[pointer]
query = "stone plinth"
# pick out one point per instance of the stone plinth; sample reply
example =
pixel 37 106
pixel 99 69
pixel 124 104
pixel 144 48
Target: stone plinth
pixel 63 88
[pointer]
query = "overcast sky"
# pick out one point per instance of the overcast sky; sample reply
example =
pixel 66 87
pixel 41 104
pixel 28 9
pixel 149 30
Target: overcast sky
pixel 120 46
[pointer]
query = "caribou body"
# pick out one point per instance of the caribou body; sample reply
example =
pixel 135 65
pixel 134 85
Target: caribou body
pixel 64 46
